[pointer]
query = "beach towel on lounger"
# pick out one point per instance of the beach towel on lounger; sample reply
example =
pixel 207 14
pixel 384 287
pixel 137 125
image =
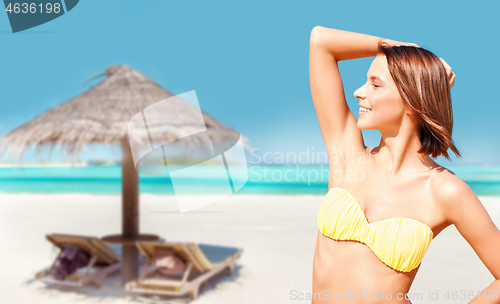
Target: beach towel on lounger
pixel 167 261
pixel 71 259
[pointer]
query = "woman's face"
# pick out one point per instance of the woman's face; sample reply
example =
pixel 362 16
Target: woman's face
pixel 381 106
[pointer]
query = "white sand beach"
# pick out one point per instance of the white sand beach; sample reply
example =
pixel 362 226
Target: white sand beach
pixel 277 233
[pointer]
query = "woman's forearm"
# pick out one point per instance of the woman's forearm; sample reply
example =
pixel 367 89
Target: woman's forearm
pixel 344 45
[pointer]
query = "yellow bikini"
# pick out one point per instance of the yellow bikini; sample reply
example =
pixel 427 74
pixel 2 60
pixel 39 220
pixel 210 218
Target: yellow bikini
pixel 399 242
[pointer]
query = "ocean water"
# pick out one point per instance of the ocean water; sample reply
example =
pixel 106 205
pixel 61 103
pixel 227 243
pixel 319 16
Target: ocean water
pixel 292 179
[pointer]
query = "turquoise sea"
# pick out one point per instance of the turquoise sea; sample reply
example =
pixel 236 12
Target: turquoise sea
pixel 291 179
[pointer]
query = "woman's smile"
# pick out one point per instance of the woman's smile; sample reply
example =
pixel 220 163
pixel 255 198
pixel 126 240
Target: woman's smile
pixel 363 110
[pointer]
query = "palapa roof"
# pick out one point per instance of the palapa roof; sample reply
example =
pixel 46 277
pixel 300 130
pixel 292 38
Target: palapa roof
pixel 101 115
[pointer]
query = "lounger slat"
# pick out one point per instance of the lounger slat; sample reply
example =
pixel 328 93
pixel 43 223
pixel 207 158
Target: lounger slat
pixel 87 244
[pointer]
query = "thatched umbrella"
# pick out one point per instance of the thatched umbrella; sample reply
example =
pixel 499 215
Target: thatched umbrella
pixel 101 115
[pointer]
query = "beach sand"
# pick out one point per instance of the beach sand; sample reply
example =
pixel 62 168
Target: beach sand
pixel 277 233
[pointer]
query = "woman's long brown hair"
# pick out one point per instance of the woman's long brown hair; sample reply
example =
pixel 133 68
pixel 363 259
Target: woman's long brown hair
pixel 424 86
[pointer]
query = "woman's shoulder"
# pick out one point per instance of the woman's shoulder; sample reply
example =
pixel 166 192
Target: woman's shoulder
pixel 447 188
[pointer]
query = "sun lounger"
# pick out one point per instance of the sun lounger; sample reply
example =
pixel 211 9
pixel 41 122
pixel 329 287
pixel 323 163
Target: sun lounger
pixel 203 262
pixel 103 261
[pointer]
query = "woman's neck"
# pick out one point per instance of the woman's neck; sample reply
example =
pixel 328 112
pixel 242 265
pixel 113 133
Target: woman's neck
pixel 398 150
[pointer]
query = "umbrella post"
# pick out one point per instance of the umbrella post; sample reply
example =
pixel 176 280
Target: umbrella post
pixel 130 214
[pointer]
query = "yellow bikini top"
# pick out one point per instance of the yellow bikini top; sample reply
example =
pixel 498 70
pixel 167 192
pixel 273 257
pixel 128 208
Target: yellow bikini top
pixel 399 242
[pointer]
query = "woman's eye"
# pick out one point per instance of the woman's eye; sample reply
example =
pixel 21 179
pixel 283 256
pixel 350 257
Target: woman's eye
pixel 375 85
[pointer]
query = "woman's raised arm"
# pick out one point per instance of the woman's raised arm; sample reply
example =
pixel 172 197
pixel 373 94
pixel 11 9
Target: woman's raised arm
pixel 338 124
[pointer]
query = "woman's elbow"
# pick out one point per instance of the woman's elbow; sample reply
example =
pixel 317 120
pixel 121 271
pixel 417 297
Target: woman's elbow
pixel 316 34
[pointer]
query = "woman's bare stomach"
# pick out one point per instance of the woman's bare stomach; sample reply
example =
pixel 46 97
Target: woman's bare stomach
pixel 349 272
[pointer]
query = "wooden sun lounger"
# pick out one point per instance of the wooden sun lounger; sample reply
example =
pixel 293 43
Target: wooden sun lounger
pixel 103 261
pixel 203 262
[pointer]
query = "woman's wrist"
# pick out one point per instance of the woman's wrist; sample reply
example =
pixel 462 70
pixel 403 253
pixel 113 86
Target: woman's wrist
pixel 390 42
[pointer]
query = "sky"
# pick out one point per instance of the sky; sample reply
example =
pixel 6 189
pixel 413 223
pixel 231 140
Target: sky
pixel 248 63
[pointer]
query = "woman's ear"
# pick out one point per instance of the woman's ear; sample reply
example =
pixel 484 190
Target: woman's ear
pixel 409 110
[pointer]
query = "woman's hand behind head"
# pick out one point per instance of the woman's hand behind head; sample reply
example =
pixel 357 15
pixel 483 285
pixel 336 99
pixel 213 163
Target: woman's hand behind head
pixel 391 43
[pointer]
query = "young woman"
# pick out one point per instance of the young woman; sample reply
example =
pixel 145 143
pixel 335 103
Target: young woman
pixel 385 204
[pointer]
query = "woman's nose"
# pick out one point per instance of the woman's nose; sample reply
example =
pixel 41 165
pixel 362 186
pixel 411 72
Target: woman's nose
pixel 360 93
